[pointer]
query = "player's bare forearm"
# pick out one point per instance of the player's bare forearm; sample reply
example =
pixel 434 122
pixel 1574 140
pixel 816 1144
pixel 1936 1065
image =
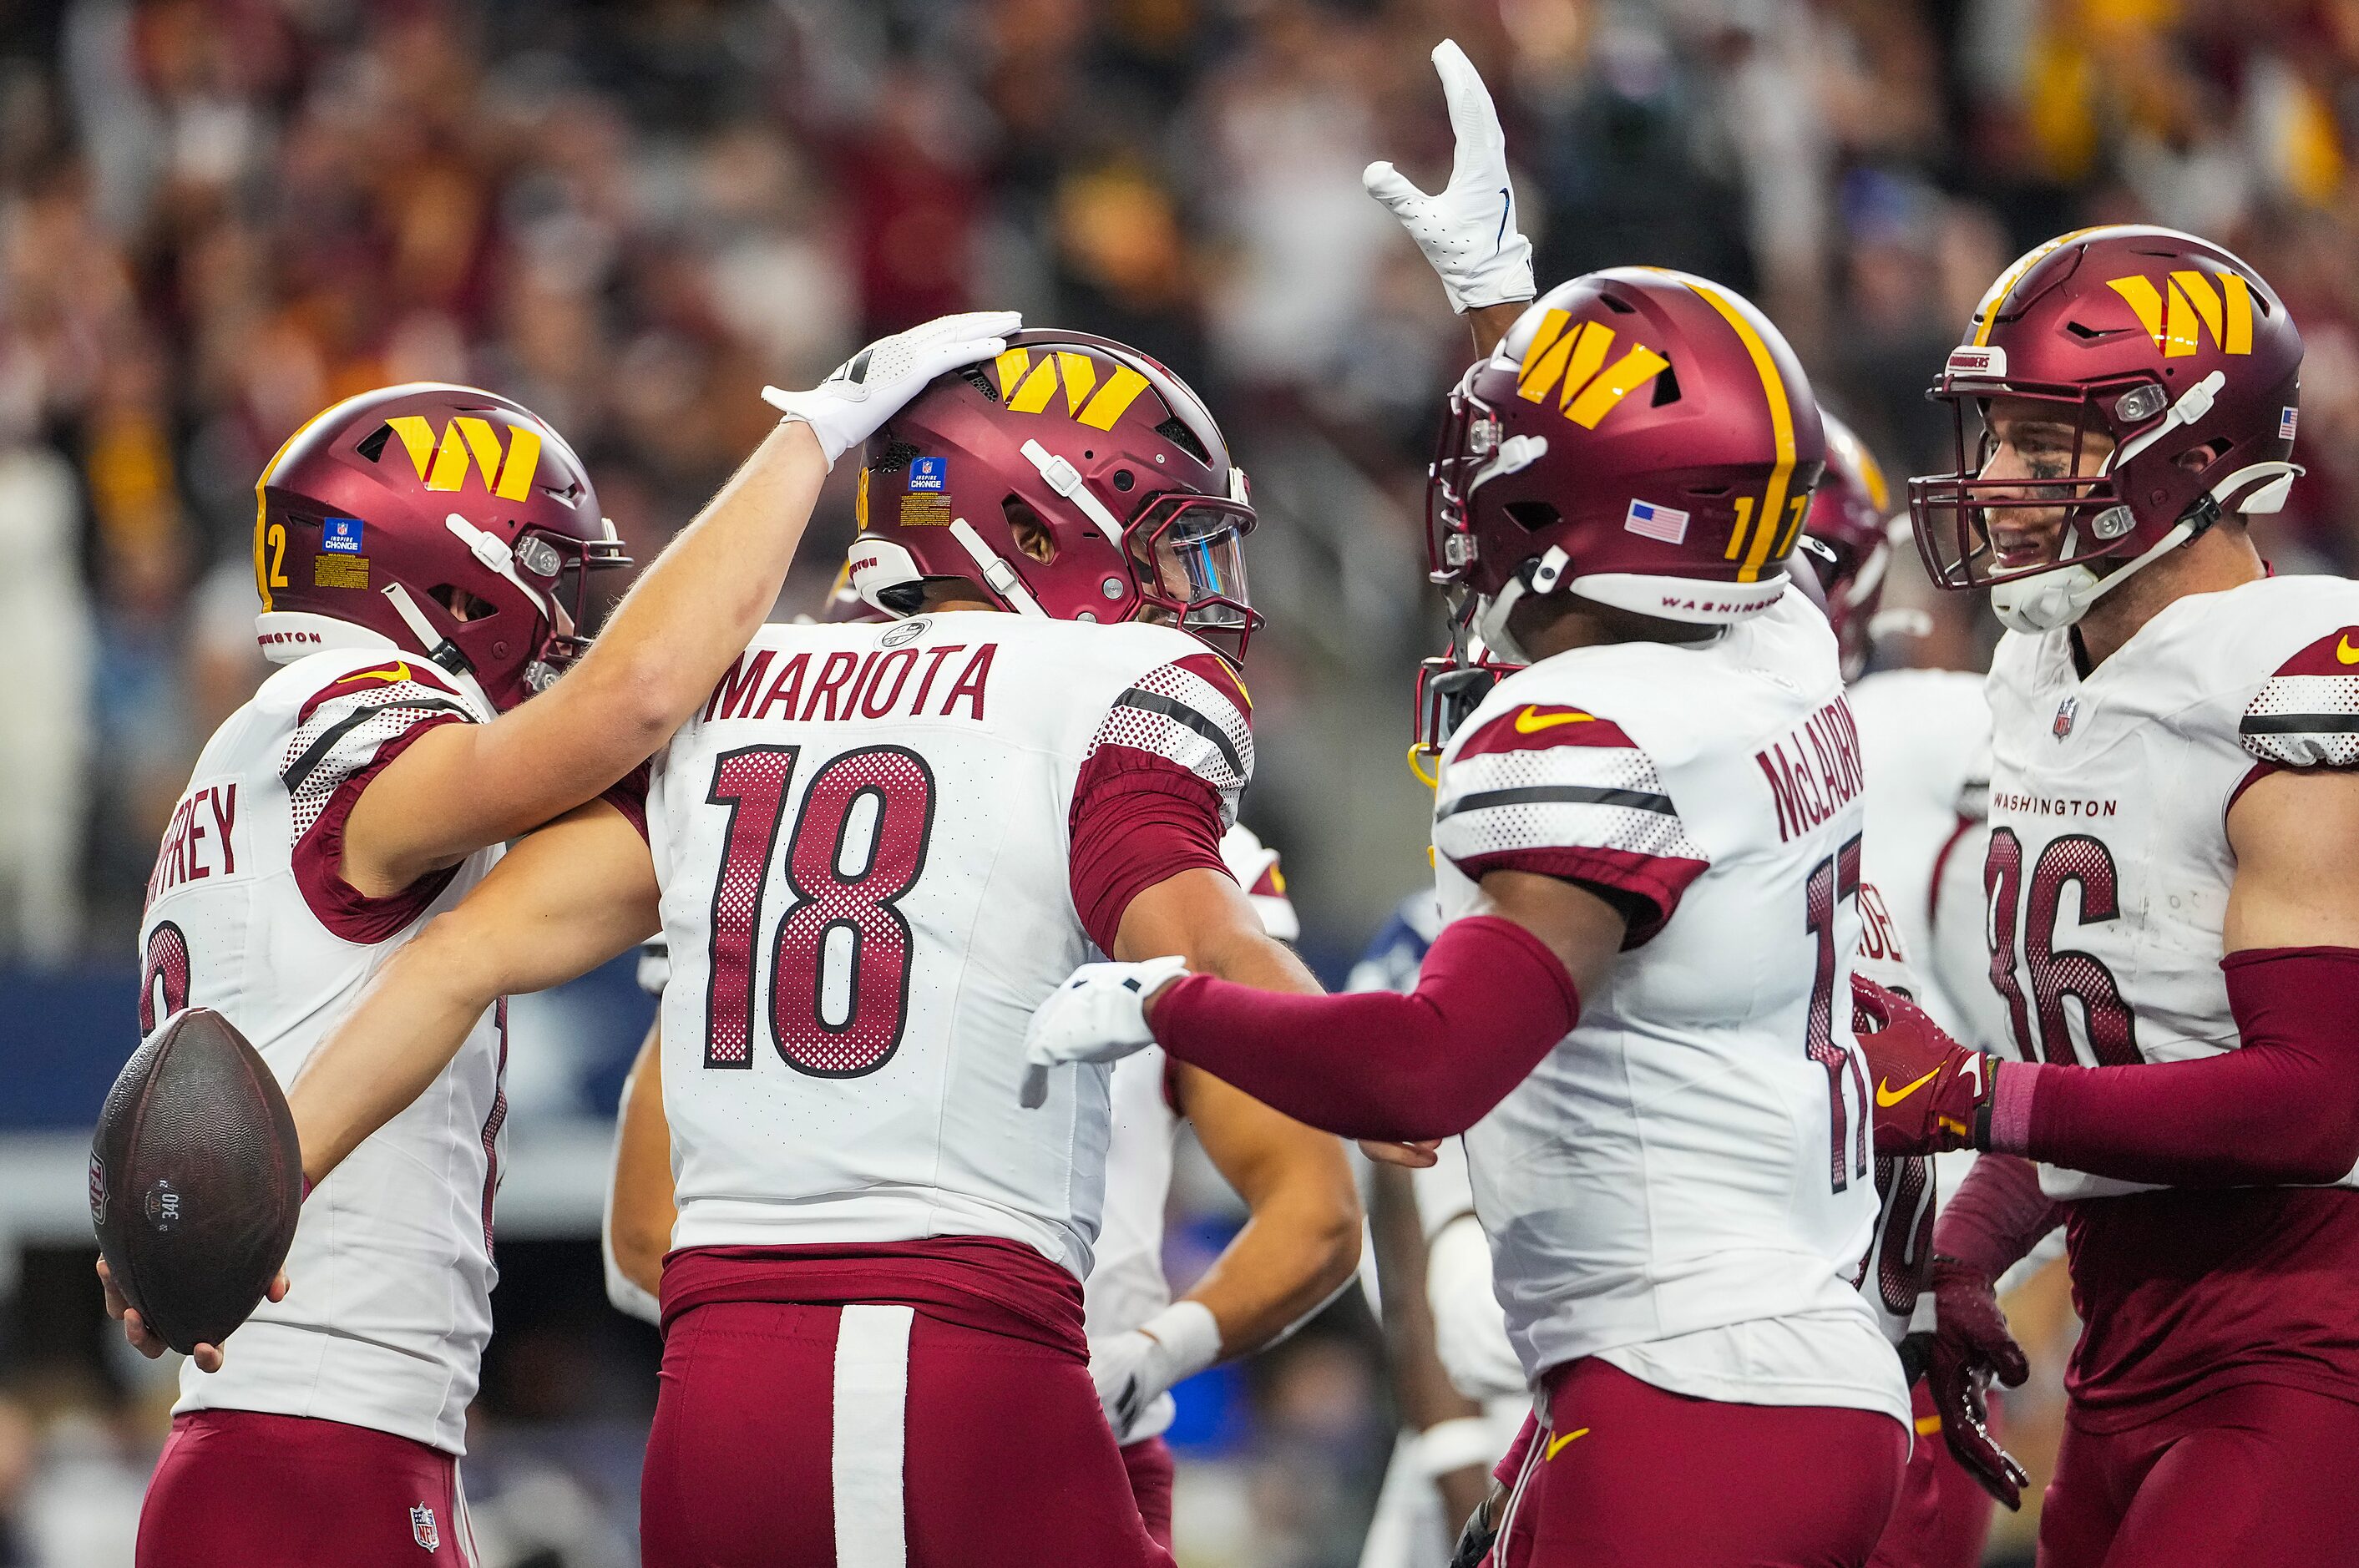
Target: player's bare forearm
pixel 641 1216
pixel 1301 1240
pixel 1204 917
pixel 1491 324
pixel 566 899
pixel 465 786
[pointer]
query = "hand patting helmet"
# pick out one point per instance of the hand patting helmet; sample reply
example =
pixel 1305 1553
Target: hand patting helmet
pixel 2168 349
pixel 1072 477
pixel 1641 438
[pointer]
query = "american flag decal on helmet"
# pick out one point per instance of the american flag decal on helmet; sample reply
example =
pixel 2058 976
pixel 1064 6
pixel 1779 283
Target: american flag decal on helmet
pixel 1647 520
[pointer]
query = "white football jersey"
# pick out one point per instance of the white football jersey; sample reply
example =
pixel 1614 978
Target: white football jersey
pixel 1682 1186
pixel 862 843
pixel 1926 738
pixel 1127 1285
pixel 389 1303
pixel 2109 866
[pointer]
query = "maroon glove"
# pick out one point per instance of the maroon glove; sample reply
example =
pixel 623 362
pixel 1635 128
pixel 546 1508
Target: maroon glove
pixel 1933 1095
pixel 1970 1345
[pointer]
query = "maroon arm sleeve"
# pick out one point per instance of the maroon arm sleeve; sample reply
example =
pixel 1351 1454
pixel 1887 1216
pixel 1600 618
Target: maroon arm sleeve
pixel 1137 820
pixel 1489 1003
pixel 1996 1216
pixel 2282 1109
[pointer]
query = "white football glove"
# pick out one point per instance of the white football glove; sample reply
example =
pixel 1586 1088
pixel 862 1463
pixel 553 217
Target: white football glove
pixel 1133 1370
pixel 870 386
pixel 1098 1014
pixel 1468 232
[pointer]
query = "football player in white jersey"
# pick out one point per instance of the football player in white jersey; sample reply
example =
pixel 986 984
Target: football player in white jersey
pixel 2173 877
pixel 1300 1242
pixel 1665 1113
pixel 422 555
pixel 873 854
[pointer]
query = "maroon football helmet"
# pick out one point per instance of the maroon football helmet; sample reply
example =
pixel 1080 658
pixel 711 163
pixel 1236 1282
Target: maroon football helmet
pixel 1644 438
pixel 442 520
pixel 2171 351
pixel 1073 478
pixel 1847 539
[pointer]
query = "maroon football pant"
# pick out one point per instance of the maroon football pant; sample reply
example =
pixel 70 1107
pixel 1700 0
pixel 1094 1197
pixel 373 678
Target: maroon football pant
pixel 791 1436
pixel 1151 1472
pixel 1629 1476
pixel 242 1489
pixel 1943 1517
pixel 2255 1474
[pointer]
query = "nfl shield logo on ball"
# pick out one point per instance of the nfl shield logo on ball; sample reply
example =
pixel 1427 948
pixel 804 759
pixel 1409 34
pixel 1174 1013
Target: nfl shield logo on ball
pixel 97 1189
pixel 421 1528
pixel 2066 712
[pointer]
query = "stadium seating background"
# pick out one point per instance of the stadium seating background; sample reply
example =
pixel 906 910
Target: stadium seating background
pixel 217 215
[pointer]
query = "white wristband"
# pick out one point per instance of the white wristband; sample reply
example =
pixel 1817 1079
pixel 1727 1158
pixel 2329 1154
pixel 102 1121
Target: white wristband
pixel 1189 1335
pixel 1464 1443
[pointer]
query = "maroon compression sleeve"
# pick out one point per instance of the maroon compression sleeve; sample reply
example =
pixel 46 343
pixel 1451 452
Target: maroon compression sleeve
pixel 1490 1001
pixel 2282 1109
pixel 1996 1216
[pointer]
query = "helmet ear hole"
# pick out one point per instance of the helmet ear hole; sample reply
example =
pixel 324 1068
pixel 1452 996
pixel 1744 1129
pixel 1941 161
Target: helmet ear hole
pixel 1533 515
pixel 463 605
pixel 1032 536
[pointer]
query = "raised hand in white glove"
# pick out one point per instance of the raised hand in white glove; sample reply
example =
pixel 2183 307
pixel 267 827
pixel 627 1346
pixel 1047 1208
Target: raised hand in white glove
pixel 1098 1014
pixel 1133 1370
pixel 1468 231
pixel 870 386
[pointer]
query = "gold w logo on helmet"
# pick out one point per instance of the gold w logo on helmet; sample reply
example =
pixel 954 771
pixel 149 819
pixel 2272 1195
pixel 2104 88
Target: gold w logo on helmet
pixel 2195 305
pixel 1026 387
pixel 471 442
pixel 1576 361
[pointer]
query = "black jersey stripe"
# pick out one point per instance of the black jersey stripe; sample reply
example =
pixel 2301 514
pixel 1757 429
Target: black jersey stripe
pixel 315 753
pixel 1562 794
pixel 2299 724
pixel 1179 712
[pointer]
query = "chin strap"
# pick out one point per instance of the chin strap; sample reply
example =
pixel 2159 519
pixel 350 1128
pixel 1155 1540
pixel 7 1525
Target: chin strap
pixel 998 575
pixel 1542 577
pixel 445 653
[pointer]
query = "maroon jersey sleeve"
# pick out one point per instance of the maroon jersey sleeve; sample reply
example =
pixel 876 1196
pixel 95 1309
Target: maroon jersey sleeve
pixel 1157 788
pixel 628 795
pixel 345 734
pixel 1563 793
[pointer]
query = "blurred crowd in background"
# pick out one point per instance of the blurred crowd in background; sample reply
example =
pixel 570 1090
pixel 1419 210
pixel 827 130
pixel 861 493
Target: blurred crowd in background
pixel 216 216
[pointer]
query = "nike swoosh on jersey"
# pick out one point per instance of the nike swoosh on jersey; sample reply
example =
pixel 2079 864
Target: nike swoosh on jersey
pixel 1555 1444
pixel 1886 1097
pixel 392 674
pixel 1532 721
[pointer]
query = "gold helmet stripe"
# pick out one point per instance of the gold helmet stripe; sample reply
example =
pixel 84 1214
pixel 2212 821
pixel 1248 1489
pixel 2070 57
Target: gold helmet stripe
pixel 1995 301
pixel 1765 526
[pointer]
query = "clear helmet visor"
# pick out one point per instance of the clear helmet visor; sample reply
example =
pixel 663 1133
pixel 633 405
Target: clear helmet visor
pixel 1188 553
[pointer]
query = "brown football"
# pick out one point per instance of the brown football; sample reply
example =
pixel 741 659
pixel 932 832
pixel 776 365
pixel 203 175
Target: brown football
pixel 195 1178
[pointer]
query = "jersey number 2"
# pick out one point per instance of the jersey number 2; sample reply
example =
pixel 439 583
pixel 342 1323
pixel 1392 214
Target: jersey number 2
pixel 1833 879
pixel 840 958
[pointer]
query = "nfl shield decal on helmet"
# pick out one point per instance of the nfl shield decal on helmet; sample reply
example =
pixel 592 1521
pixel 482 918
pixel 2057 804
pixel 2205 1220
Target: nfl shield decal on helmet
pixel 421 1528
pixel 2066 712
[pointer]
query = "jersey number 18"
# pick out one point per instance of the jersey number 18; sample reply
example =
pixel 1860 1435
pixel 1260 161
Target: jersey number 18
pixel 840 958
